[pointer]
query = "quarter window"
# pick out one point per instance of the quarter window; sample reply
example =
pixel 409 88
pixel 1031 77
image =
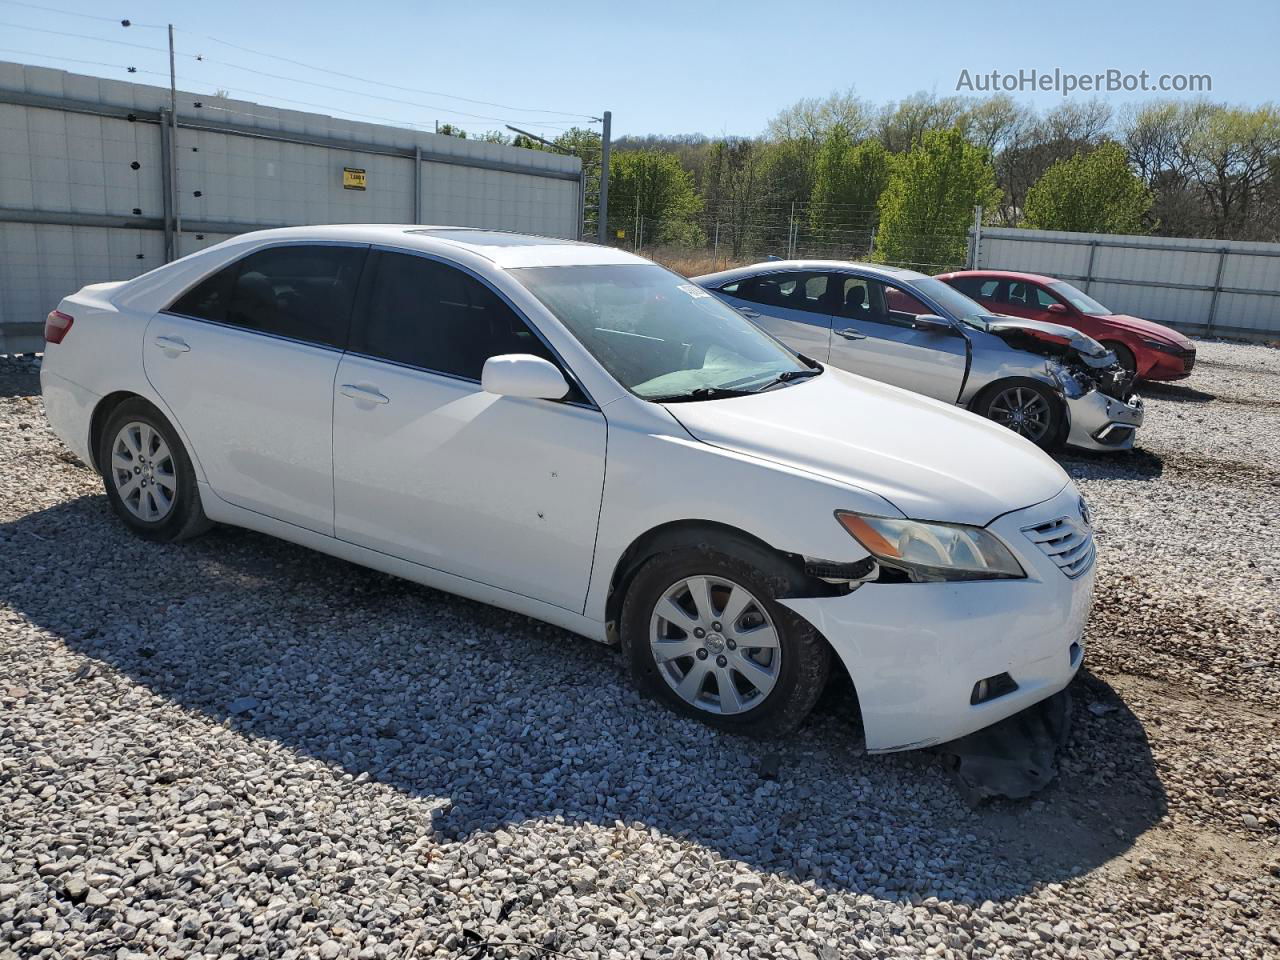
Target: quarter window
pixel 302 292
pixel 427 314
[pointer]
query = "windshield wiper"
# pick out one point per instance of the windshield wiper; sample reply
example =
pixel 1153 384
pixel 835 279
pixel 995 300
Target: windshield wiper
pixel 787 376
pixel 702 393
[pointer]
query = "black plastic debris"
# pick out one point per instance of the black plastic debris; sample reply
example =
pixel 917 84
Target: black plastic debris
pixel 1013 758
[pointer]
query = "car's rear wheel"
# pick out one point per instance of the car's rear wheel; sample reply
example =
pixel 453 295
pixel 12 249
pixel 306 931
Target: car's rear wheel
pixel 1027 408
pixel 148 475
pixel 705 634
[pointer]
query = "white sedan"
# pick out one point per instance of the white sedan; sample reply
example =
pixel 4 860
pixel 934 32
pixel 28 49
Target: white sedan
pixel 577 434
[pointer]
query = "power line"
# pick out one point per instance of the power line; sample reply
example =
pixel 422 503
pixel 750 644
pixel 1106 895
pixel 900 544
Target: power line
pixel 86 16
pixel 234 66
pixel 393 86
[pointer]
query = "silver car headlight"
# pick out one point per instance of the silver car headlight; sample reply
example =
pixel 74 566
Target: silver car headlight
pixel 933 551
pixel 1069 383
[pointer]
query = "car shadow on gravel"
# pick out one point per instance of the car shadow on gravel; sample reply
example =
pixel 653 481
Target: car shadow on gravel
pixel 1137 464
pixel 489 718
pixel 1176 393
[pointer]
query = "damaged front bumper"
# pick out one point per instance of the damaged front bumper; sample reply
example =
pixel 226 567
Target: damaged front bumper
pixel 918 653
pixel 1100 422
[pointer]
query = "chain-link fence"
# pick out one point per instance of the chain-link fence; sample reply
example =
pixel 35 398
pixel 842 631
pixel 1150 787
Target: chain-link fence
pixel 730 234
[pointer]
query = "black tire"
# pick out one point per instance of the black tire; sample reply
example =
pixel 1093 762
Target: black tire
pixel 805 656
pixel 185 516
pixel 1125 357
pixel 995 398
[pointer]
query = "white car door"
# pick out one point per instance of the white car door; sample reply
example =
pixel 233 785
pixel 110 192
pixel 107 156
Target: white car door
pixel 246 361
pixel 792 306
pixel 430 468
pixel 872 334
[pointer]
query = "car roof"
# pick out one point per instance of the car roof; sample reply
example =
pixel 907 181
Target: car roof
pixel 502 248
pixel 874 270
pixel 1001 275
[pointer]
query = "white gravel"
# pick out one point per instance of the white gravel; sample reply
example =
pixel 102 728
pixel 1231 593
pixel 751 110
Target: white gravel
pixel 236 747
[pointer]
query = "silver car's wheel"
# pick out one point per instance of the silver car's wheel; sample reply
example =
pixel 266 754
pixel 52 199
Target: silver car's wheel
pixel 144 473
pixel 1023 410
pixel 715 645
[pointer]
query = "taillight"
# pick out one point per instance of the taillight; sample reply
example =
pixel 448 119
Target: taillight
pixel 56 325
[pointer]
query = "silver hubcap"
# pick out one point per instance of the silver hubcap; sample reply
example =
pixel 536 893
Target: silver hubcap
pixel 715 645
pixel 143 470
pixel 1023 411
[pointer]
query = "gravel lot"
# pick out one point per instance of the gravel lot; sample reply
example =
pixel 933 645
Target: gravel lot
pixel 238 748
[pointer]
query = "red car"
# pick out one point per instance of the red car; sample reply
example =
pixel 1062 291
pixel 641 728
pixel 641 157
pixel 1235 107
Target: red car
pixel 1150 350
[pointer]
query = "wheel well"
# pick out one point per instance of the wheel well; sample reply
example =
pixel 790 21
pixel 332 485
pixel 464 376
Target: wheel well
pixel 672 536
pixel 101 414
pixel 692 533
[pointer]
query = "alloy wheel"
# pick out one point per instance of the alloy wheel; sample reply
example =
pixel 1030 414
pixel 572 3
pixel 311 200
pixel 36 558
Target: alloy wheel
pixel 715 645
pixel 143 471
pixel 1022 410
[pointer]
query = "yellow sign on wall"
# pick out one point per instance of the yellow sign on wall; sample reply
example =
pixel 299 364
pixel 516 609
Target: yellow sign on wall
pixel 353 178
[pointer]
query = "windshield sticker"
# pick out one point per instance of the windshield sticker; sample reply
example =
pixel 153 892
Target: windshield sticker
pixel 693 290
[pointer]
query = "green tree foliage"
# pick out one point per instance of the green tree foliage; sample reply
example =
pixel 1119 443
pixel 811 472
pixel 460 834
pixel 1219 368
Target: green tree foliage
pixel 655 188
pixel 928 203
pixel 848 181
pixel 1093 192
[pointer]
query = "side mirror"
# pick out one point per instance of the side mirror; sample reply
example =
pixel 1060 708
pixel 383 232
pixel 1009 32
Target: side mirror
pixel 931 323
pixel 1057 308
pixel 523 375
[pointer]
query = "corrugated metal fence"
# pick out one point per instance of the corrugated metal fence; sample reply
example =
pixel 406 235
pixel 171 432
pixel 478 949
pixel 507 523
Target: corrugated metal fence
pixel 87 192
pixel 1227 288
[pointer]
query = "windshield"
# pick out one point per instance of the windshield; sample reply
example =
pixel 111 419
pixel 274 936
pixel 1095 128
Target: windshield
pixel 659 335
pixel 952 300
pixel 1079 299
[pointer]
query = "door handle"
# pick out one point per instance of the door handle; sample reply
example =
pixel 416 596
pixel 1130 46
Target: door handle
pixel 748 313
pixel 363 394
pixel 851 334
pixel 172 345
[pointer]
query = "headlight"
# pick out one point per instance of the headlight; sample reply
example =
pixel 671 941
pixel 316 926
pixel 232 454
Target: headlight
pixel 1163 347
pixel 933 551
pixel 1072 386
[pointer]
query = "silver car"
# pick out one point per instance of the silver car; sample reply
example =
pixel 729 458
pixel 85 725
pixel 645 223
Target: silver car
pixel 1050 383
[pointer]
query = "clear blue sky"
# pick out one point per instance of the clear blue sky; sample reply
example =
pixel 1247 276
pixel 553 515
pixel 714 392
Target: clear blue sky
pixel 661 67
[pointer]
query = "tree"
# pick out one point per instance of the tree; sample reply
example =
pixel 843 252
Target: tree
pixel 927 205
pixel 654 187
pixel 900 126
pixel 449 130
pixel 1232 154
pixel 1094 192
pixel 848 181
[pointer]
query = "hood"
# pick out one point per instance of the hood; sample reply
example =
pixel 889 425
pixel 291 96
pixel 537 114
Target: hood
pixel 931 460
pixel 1150 329
pixel 1081 342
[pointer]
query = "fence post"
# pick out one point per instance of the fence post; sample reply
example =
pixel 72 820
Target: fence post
pixel 1217 289
pixel 417 183
pixel 1088 270
pixel 166 184
pixel 975 238
pixel 715 248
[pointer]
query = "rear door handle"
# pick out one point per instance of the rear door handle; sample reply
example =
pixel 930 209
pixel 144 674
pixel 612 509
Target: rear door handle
pixel 172 344
pixel 748 313
pixel 851 334
pixel 363 394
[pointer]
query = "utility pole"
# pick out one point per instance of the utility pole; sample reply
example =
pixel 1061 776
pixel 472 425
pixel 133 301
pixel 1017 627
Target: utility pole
pixel 602 209
pixel 173 149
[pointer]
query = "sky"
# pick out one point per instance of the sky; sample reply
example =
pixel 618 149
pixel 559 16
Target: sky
pixel 659 66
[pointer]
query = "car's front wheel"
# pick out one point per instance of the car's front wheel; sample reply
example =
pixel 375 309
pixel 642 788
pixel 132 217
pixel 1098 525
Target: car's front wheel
pixel 148 475
pixel 1027 408
pixel 705 634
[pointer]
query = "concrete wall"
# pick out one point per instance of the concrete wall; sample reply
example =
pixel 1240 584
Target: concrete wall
pixel 85 192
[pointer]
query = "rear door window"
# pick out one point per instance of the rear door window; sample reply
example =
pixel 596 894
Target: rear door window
pixel 805 291
pixel 303 292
